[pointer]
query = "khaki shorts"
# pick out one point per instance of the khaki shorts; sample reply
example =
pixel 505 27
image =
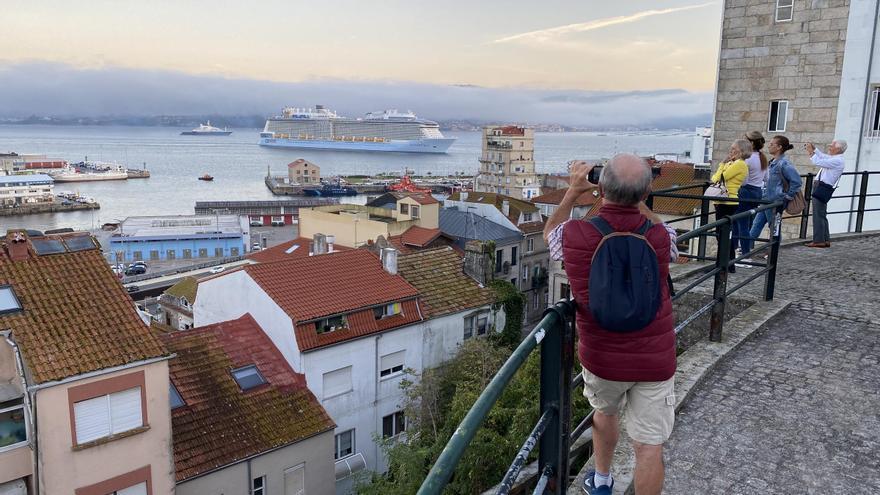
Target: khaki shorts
pixel 651 405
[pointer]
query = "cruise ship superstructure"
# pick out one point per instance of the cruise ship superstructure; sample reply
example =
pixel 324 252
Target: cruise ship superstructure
pixel 321 128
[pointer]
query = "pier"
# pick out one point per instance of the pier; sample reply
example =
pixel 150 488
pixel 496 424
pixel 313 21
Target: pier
pixel 56 207
pixel 280 186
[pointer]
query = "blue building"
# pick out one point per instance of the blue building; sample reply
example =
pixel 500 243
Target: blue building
pixel 179 237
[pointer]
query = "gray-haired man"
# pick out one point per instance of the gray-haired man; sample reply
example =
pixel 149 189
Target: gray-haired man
pixel 831 166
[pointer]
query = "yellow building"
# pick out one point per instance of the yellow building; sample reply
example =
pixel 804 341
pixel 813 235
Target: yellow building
pixel 388 215
pixel 303 172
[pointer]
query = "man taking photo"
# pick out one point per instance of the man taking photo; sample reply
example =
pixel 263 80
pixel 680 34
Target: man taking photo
pixel 626 340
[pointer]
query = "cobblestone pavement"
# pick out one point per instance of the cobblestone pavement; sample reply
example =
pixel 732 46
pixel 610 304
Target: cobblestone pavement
pixel 796 409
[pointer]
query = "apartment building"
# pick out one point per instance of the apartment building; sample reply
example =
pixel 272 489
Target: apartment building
pixel 507 162
pixel 303 172
pixel 26 189
pixel 84 382
pixel 808 70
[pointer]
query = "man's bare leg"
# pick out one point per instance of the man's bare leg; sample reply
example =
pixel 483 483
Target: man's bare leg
pixel 605 434
pixel 649 473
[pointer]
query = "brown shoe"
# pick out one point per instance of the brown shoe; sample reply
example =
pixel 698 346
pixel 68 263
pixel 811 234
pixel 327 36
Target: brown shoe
pixel 818 244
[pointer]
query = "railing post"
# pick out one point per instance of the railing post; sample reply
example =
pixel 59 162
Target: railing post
pixel 719 292
pixel 808 198
pixel 776 239
pixel 557 359
pixel 863 195
pixel 704 219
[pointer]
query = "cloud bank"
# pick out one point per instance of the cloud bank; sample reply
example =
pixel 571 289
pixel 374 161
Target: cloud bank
pixel 60 90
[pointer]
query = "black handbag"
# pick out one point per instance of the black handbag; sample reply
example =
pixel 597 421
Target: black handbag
pixel 823 192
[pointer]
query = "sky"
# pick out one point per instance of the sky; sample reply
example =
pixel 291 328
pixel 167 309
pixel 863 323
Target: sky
pixel 550 45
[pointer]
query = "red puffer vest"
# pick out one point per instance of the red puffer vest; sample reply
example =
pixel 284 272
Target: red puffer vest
pixel 646 355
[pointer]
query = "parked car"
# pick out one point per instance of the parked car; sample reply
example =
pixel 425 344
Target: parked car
pixel 256 222
pixel 139 263
pixel 218 269
pixel 136 270
pixel 131 288
pixel 256 247
pixel 278 223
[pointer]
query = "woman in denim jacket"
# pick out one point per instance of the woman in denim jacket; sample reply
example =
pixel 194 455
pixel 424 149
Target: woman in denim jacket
pixel 773 188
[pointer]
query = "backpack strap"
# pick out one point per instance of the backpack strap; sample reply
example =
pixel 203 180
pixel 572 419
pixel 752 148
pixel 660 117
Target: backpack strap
pixel 645 227
pixel 601 225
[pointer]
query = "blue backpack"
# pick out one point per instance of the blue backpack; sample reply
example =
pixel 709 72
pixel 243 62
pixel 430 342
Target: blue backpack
pixel 624 279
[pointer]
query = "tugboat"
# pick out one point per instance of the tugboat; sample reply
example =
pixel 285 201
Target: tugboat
pixel 206 130
pixel 331 189
pixel 207 177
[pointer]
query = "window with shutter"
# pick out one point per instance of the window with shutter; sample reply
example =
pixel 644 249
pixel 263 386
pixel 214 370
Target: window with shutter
pixel 139 489
pixel 125 410
pixel 108 415
pixel 337 382
pixel 391 364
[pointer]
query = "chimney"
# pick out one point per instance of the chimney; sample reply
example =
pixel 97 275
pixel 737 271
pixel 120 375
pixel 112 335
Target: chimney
pixel 464 195
pixel 505 207
pixel 331 239
pixel 319 244
pixel 389 260
pixel 17 246
pixel 478 262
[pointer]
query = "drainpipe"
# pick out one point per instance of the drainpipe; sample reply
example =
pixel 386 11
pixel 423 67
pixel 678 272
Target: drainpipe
pixel 29 404
pixel 852 201
pixel 250 481
pixel 376 393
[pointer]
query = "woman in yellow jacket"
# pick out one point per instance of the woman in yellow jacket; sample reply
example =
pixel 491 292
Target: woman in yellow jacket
pixel 734 172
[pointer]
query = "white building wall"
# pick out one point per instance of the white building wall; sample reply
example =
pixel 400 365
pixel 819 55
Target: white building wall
pixel 230 296
pixel 851 113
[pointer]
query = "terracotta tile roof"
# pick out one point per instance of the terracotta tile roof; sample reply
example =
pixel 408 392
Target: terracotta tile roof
pixel 186 288
pixel 219 424
pixel 358 324
pixel 555 197
pixel 279 252
pixel 442 283
pixel 76 317
pixel 420 198
pixel 531 227
pixel 418 238
pixel 511 130
pixel 329 284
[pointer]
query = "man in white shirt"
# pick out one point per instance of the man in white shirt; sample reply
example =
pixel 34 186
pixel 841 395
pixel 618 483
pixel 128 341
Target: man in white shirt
pixel 831 167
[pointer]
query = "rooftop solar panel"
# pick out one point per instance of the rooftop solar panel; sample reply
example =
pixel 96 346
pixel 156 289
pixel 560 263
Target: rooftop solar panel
pixel 80 243
pixel 47 246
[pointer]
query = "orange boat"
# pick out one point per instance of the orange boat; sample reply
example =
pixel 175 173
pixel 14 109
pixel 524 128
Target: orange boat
pixel 207 177
pixel 406 185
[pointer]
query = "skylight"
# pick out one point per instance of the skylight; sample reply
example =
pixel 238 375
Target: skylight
pixel 248 377
pixel 8 302
pixel 174 397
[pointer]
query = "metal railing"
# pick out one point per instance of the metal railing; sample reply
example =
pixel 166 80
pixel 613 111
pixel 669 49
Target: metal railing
pixel 552 433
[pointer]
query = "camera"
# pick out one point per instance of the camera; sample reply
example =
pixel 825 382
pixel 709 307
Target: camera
pixel 596 172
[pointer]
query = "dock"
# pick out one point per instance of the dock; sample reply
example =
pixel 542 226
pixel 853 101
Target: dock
pixel 56 207
pixel 134 173
pixel 280 186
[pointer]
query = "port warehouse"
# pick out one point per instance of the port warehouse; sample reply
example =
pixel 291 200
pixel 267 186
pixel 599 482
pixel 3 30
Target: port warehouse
pixel 270 212
pixel 179 237
pixel 25 189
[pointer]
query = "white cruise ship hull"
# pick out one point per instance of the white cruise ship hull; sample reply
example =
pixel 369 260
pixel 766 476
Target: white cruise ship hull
pixel 437 145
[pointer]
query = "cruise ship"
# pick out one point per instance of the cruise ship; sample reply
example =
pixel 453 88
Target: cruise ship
pixel 206 130
pixel 321 128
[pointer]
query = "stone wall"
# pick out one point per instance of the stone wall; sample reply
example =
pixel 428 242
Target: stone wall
pixel 763 60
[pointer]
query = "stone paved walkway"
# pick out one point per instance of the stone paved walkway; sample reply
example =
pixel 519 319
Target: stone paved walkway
pixel 796 409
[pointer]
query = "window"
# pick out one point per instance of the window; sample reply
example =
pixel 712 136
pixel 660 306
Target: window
pixel 391 364
pixel 393 424
pixel 330 324
pixel 171 254
pixel 535 301
pixel 337 382
pixel 137 255
pixel 154 254
pixel 778 114
pixel 530 245
pixel 248 377
pixel 499 259
pixel 8 302
pixel 218 252
pixel 203 252
pixel 564 291
pixel 525 274
pixel 414 211
pixel 527 217
pixel 233 251
pixel 513 253
pixel 108 415
pixel 404 209
pixel 386 310
pixel 784 10
pixel 174 397
pixel 344 444
pixel 258 486
pixel 476 324
pixel 139 489
pixel 13 428
pixel 872 115
pixel 187 254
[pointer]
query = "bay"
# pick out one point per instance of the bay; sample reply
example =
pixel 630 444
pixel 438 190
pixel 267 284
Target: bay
pixel 239 165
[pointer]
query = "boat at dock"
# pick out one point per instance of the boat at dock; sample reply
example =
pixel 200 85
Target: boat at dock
pixel 90 171
pixel 207 177
pixel 330 190
pixel 207 130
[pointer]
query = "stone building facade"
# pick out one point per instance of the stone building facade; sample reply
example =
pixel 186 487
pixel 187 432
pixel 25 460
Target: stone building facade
pixel 780 70
pixel 507 162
